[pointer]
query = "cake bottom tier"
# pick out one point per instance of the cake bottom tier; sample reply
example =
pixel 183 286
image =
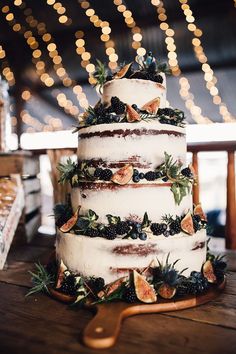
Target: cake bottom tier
pixel 112 259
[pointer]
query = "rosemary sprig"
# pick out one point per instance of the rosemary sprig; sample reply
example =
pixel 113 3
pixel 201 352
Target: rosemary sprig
pixel 42 280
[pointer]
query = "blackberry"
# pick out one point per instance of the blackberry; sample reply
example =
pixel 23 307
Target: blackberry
pixel 158 229
pixel 98 172
pixel 68 286
pixel 117 105
pixel 110 232
pixel 139 75
pixel 200 282
pixel 187 172
pixel 196 224
pixel 130 295
pixel 166 233
pixel 186 288
pixel 122 228
pixel 100 110
pixel 99 284
pixel 109 77
pixel 92 232
pixel 158 78
pixel 106 174
pixel 175 226
pixel 165 111
pixel 219 267
pixel 150 176
pixel 109 110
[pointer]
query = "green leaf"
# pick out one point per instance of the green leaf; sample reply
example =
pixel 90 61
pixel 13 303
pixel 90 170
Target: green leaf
pixel 146 222
pixel 92 215
pixel 113 219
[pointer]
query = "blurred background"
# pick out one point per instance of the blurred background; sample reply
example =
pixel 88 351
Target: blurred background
pixel 48 52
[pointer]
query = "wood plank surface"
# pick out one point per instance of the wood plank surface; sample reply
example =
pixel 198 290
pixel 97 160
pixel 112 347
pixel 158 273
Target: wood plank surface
pixel 39 324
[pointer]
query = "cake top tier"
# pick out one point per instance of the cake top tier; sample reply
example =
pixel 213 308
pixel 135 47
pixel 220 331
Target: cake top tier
pixel 135 92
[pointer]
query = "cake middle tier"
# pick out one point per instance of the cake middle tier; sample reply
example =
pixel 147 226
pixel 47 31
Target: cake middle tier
pixel 129 201
pixel 142 144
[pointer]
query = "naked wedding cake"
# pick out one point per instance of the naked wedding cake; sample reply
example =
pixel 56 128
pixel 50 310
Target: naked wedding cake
pixel 131 188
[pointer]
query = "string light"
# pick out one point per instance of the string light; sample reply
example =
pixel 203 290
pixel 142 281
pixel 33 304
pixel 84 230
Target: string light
pixel 6 70
pixel 105 36
pixel 130 23
pixel 184 91
pixel 209 76
pixel 56 59
pixel 61 12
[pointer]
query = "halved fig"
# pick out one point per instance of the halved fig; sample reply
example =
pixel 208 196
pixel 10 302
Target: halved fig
pixel 166 291
pixel 144 291
pixel 61 274
pixel 123 175
pixel 208 272
pixel 199 211
pixel 71 222
pixel 131 114
pixel 111 288
pixel 187 224
pixel 123 71
pixel 152 106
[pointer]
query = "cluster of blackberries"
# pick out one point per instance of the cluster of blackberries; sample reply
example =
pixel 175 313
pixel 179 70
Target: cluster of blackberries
pixel 193 285
pixel 145 75
pixel 96 284
pixel 197 223
pixel 149 176
pixel 219 267
pixel 166 112
pixel 173 228
pixel 187 172
pixel 103 174
pixel 68 285
pixel 105 115
pixel 131 228
pixel 117 105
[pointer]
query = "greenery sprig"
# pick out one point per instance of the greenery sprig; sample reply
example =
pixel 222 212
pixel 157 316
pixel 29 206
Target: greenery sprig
pixel 41 280
pixel 67 170
pixel 181 185
pixel 100 75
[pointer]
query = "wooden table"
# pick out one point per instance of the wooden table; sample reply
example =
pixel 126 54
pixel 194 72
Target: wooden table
pixel 41 325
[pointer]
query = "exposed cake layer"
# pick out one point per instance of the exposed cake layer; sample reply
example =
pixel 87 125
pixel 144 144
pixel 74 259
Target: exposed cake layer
pixel 129 200
pixel 135 91
pixel 142 143
pixel 113 259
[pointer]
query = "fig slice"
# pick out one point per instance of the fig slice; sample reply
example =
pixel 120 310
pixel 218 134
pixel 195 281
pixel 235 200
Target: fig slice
pixel 61 274
pixel 123 175
pixel 208 272
pixel 131 114
pixel 166 291
pixel 144 291
pixel 71 222
pixel 111 288
pixel 123 71
pixel 199 211
pixel 187 224
pixel 152 106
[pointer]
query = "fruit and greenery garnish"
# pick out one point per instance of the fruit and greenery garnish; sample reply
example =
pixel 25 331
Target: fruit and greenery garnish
pixel 89 225
pixel 170 170
pixel 41 279
pixel 158 279
pixel 120 112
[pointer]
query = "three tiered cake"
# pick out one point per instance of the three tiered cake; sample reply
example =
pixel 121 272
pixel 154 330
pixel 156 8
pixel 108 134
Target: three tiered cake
pixel 131 190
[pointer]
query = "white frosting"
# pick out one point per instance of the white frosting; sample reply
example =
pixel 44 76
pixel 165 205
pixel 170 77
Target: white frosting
pixel 124 201
pixel 100 257
pixel 135 91
pixel 148 149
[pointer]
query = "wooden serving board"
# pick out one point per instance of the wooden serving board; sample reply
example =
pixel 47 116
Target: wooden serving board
pixel 103 330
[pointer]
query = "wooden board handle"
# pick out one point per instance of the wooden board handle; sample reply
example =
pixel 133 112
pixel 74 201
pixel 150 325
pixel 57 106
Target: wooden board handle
pixel 102 331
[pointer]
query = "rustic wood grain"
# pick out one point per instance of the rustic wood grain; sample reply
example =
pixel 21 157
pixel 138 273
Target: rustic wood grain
pixel 41 325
